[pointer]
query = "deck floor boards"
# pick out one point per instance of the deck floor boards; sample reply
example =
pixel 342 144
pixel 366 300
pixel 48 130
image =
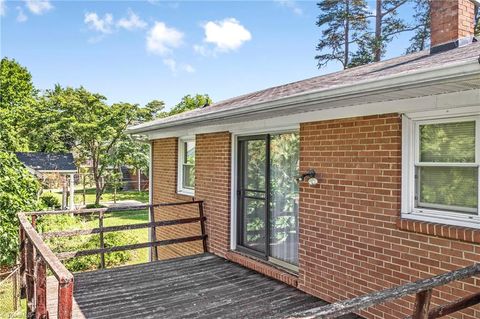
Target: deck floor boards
pixel 203 286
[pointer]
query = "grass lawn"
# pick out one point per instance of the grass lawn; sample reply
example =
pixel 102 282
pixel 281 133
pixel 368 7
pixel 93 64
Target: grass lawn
pixel 120 218
pixel 128 218
pixel 106 197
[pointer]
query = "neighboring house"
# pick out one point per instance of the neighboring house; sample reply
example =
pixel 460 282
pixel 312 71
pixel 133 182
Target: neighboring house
pixel 389 154
pixel 59 165
pixel 133 179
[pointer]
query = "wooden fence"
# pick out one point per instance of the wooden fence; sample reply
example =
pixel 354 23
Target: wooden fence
pixel 422 288
pixel 36 256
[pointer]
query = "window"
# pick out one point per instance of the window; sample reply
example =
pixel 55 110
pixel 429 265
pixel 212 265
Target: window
pixel 443 174
pixel 186 167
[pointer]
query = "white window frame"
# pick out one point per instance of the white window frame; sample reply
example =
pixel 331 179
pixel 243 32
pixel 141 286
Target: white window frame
pixel 181 153
pixel 411 158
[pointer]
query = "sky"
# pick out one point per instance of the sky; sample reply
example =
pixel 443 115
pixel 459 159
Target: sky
pixel 138 51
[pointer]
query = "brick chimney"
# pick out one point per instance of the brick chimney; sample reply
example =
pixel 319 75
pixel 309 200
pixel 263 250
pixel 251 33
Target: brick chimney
pixel 452 23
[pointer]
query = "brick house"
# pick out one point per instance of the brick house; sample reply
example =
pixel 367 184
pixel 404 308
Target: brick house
pixel 341 184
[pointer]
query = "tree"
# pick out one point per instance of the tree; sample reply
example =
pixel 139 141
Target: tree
pixel 18 192
pixel 343 22
pixel 17 98
pixel 419 40
pixel 189 102
pixel 93 127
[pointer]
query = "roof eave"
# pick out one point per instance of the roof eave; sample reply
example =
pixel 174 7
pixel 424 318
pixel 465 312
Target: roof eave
pixel 375 86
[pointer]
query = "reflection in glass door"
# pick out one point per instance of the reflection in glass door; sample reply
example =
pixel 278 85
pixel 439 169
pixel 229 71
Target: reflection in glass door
pixel 268 196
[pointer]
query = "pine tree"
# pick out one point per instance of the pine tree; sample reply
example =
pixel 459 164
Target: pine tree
pixel 342 21
pixel 419 40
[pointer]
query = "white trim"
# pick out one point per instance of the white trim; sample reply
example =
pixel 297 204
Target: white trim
pixel 233 193
pixel 150 194
pixel 459 103
pixel 410 159
pixel 180 189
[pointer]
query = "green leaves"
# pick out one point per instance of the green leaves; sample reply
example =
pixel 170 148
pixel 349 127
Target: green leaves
pixel 18 192
pixel 17 97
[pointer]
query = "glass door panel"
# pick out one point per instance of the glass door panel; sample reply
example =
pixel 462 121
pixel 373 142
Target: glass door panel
pixel 268 196
pixel 252 192
pixel 284 167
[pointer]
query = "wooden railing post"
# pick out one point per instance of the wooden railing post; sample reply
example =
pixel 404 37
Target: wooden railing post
pixel 422 304
pixel 41 288
pixel 22 262
pixel 65 299
pixel 202 226
pixel 102 241
pixel 29 277
pixel 153 235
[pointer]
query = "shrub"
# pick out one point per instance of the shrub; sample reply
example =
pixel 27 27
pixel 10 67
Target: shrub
pixel 111 259
pixel 18 192
pixel 84 242
pixel 49 200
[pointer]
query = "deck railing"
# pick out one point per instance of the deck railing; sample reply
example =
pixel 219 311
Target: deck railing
pixel 36 256
pixel 422 288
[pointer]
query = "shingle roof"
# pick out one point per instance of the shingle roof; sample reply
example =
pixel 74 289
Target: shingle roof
pixel 411 63
pixel 40 161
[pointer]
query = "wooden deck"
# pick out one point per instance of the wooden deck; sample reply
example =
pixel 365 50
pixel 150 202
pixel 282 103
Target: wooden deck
pixel 202 286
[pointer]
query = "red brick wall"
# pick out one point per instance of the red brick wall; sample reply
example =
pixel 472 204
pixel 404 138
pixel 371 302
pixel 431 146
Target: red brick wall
pixel 164 183
pixel 350 241
pixel 212 185
pixel 451 20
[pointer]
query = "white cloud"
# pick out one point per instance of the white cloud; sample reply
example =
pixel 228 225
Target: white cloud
pixel 39 6
pixel 226 35
pixel 161 39
pixel 292 5
pixel 21 17
pixel 175 67
pixel 94 22
pixel 3 8
pixel 132 22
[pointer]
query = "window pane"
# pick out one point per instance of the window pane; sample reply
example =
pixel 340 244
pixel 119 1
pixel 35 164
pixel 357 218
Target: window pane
pixel 284 161
pixel 448 142
pixel 255 161
pixel 188 176
pixel 189 152
pixel 451 188
pixel 254 224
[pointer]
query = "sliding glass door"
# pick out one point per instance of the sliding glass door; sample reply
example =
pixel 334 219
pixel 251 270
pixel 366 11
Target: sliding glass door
pixel 268 196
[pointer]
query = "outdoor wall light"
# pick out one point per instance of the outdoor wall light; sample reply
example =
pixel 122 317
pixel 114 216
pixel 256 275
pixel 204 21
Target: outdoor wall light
pixel 311 174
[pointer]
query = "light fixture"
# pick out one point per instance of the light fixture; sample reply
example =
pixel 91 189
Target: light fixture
pixel 311 174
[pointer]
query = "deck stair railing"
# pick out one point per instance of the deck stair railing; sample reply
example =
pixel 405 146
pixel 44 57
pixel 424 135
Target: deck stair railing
pixel 36 256
pixel 422 288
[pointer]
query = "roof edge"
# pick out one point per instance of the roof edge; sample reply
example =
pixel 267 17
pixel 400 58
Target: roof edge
pixel 434 75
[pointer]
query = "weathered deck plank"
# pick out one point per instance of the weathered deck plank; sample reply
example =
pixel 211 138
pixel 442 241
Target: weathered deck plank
pixel 203 286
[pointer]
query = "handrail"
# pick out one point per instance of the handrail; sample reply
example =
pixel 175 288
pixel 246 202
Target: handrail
pixel 36 256
pixel 58 269
pixel 419 287
pixel 107 209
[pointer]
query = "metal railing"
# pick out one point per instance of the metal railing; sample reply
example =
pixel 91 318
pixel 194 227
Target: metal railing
pixel 422 288
pixel 36 256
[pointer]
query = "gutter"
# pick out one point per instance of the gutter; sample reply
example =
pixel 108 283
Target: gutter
pixel 375 86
